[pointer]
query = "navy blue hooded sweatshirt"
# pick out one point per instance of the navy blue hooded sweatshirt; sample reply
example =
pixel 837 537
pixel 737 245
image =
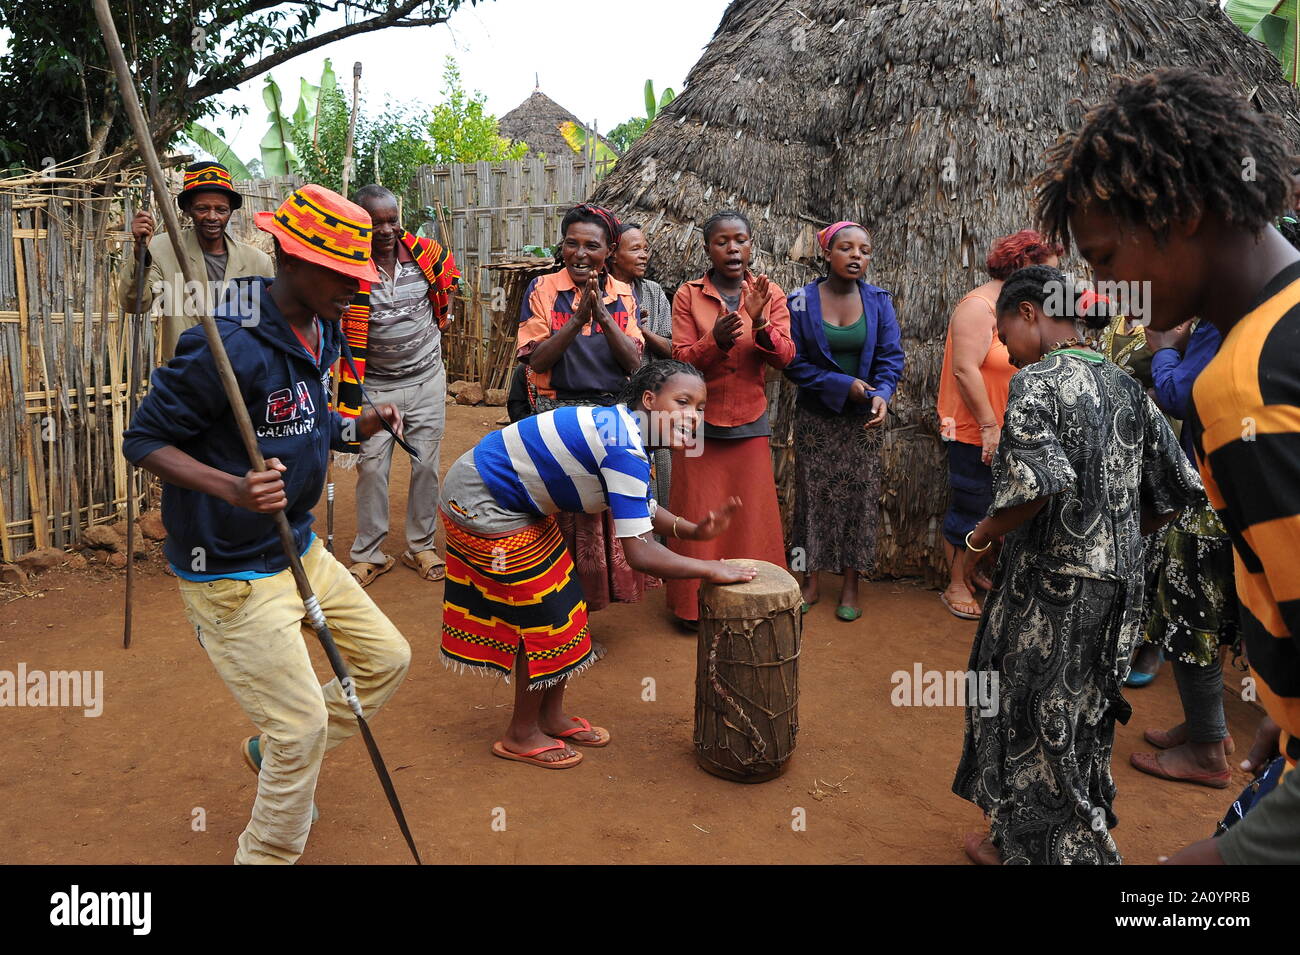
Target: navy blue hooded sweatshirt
pixel 287 395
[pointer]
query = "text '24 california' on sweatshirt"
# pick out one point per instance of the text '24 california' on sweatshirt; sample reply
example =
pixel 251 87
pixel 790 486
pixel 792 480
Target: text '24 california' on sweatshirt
pixel 286 392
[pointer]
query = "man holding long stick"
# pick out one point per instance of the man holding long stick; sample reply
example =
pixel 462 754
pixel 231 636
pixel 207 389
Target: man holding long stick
pixel 209 198
pixel 282 336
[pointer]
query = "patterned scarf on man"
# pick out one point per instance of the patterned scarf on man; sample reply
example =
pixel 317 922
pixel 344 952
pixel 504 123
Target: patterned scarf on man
pixel 439 270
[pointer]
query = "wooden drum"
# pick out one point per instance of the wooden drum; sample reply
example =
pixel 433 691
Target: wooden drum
pixel 747 674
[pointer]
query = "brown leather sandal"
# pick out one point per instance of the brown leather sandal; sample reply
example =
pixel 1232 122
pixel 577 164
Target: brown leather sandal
pixel 365 573
pixel 426 563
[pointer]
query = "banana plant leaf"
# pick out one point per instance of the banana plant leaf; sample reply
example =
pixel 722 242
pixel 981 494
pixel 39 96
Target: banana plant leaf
pixel 307 96
pixel 1276 24
pixel 579 140
pixel 278 158
pixel 217 147
pixel 652 105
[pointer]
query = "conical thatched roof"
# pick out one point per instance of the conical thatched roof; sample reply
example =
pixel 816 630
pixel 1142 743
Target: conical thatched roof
pixel 924 120
pixel 536 121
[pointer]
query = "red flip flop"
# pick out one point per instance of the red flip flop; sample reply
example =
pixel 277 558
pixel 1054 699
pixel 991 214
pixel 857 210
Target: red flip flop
pixel 1162 739
pixel 1149 763
pixel 531 756
pixel 585 727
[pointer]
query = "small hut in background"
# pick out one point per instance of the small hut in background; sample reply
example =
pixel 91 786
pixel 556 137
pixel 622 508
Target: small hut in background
pixel 926 121
pixel 537 121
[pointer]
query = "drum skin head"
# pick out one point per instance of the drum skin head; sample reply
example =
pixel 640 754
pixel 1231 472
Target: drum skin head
pixel 772 591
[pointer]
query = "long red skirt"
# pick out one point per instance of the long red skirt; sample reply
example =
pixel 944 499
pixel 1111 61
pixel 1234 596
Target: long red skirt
pixel 602 566
pixel 743 468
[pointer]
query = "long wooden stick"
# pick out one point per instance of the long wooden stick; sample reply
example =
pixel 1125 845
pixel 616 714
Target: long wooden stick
pixel 338 366
pixel 243 422
pixel 133 378
pixel 352 128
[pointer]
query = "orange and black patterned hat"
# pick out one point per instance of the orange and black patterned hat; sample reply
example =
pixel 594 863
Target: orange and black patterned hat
pixel 207 177
pixel 321 226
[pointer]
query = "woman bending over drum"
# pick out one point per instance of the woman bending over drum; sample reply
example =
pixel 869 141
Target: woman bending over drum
pixel 512 598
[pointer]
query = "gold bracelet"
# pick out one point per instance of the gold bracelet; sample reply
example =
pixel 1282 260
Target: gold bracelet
pixel 759 328
pixel 675 534
pixel 972 548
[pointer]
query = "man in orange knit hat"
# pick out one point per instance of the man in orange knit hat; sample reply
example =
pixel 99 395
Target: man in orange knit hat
pixel 282 337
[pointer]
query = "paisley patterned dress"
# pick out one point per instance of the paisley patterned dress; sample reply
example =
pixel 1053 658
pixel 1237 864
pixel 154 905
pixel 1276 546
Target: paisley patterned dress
pixel 1065 611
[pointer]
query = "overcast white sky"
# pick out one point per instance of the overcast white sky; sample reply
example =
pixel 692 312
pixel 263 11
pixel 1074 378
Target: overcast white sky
pixel 592 57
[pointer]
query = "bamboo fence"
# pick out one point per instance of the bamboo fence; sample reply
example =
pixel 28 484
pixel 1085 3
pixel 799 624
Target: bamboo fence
pixel 69 360
pixel 488 212
pixel 475 349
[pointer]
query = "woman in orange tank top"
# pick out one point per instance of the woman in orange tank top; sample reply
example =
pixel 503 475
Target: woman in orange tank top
pixel 973 390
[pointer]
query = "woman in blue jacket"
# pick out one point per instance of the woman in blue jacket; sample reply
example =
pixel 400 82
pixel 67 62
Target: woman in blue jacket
pixel 847 364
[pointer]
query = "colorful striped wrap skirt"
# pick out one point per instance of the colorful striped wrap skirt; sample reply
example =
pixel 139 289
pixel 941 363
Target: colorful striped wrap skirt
pixel 504 592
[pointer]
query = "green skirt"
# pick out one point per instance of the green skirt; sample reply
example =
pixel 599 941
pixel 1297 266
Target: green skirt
pixel 1191 591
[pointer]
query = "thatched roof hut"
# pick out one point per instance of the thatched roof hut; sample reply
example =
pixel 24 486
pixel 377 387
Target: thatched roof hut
pixel 537 121
pixel 924 120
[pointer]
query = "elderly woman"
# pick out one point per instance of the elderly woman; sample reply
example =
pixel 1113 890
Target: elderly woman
pixel 847 363
pixel 972 400
pixel 654 316
pixel 581 342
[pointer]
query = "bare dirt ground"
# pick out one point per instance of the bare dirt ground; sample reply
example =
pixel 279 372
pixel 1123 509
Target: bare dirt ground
pixel 124 787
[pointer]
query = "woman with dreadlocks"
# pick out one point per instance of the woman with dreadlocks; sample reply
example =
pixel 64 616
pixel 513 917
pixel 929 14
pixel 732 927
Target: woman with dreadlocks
pixel 581 340
pixel 1086 464
pixel 512 600
pixel 1151 188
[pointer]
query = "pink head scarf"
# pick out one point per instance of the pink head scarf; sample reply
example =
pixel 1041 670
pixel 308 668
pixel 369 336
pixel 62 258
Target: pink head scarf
pixel 825 236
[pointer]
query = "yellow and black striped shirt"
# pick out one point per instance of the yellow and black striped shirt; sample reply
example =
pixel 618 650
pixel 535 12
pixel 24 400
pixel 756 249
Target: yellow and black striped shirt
pixel 1246 428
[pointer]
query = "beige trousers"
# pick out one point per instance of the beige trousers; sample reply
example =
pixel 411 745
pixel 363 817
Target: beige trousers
pixel 253 632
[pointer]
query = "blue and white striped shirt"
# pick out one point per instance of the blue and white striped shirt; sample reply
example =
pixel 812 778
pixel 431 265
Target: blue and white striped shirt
pixel 571 459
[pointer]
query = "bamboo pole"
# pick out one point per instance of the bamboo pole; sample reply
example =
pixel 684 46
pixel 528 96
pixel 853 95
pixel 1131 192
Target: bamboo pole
pixel 338 365
pixel 352 128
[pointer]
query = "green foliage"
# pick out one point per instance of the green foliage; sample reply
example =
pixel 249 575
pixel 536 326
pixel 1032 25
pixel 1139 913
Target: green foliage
pixel 277 145
pixel 55 100
pixel 1275 23
pixel 462 130
pixel 390 146
pixel 216 147
pixel 283 155
pixel 652 106
pixel 582 142
pixel 625 134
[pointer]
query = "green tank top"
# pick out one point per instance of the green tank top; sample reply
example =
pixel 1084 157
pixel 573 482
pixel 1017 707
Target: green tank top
pixel 846 344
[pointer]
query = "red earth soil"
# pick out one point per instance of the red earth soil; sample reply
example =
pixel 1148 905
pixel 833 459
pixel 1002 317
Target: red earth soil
pixel 872 779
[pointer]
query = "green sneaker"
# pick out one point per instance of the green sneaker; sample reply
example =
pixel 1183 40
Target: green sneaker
pixel 251 750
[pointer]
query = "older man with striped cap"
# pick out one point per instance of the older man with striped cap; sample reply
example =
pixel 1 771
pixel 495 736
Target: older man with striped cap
pixel 282 337
pixel 209 199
